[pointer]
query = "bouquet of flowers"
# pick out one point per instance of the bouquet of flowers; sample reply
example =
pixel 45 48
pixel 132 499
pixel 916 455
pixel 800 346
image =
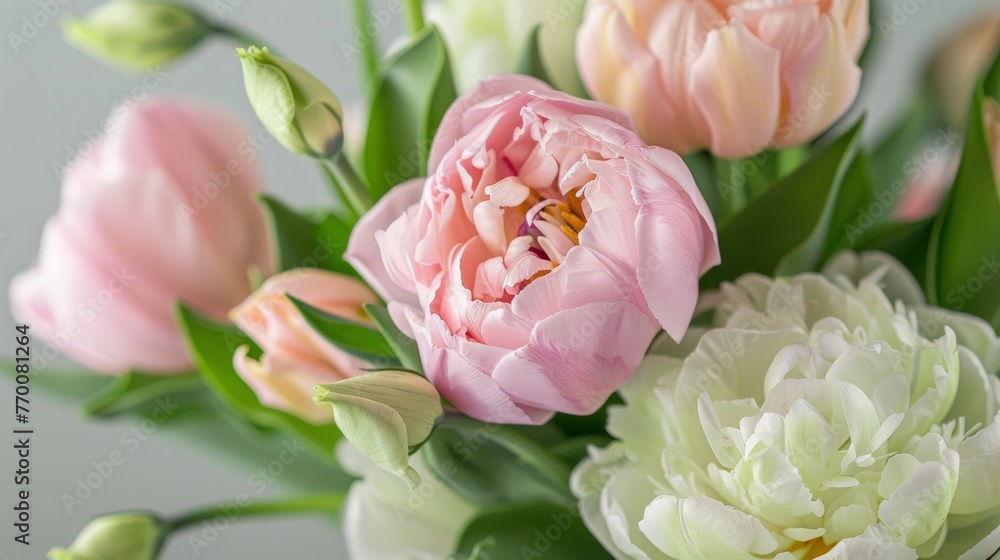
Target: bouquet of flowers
pixel 601 281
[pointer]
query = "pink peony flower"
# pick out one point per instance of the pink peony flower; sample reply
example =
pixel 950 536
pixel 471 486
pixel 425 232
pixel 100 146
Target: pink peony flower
pixel 160 210
pixel 536 263
pixel 734 76
pixel 297 358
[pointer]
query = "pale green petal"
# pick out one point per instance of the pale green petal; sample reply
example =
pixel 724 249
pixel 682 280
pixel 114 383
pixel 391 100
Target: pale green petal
pixel 977 399
pixel 298 109
pixel 919 506
pixel 612 495
pixel 777 493
pixel 137 35
pixel 860 547
pixel 972 332
pixel 385 414
pixel 122 536
pixel 825 413
pixel 699 528
pixel 897 282
pixel 979 482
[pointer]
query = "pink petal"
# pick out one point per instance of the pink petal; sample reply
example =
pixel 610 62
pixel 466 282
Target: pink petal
pixel 457 374
pixel 365 254
pixel 465 110
pixel 577 358
pixel 735 82
pixel 673 242
pixel 821 80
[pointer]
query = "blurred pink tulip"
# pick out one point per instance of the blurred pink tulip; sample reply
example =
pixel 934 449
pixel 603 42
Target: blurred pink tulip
pixel 733 76
pixel 547 248
pixel 297 358
pixel 160 210
pixel 925 191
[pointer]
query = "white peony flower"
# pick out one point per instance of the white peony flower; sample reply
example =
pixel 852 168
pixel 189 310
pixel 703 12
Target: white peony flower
pixel 831 416
pixel 385 519
pixel 487 37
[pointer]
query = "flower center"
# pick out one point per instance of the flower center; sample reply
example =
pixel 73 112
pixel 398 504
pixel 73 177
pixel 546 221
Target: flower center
pixel 811 549
pixel 525 235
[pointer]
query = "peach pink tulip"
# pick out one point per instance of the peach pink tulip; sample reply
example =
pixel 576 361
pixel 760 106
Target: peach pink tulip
pixel 297 358
pixel 732 76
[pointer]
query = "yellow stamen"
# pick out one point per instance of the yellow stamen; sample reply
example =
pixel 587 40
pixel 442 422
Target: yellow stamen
pixel 813 548
pixel 575 202
pixel 538 275
pixel 574 221
pixel 571 234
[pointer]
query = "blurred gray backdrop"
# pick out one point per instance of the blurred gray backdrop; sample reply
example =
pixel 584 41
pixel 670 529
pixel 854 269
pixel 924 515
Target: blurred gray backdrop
pixel 53 97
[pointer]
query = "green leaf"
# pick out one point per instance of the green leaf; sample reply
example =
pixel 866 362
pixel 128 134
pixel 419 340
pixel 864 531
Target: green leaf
pixel 66 385
pixel 212 345
pixel 354 338
pixel 906 242
pixel 307 241
pixel 345 210
pixel 792 218
pixel 740 180
pixel 416 89
pixel 962 269
pixel 849 194
pixel 531 63
pixel 702 166
pixel 404 347
pixel 133 389
pixel 855 211
pixel 538 530
pixel 893 161
pixel 482 471
pixel 480 551
pixel 991 84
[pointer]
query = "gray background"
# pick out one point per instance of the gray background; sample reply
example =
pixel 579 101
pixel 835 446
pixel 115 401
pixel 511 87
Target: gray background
pixel 52 95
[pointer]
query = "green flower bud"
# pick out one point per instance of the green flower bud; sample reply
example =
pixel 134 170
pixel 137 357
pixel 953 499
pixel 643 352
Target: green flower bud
pixel 301 112
pixel 121 536
pixel 137 34
pixel 386 415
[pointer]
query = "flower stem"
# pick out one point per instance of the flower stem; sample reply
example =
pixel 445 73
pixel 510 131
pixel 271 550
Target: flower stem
pixel 352 187
pixel 320 503
pixel 524 448
pixel 414 15
pixel 240 37
pixel 369 52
